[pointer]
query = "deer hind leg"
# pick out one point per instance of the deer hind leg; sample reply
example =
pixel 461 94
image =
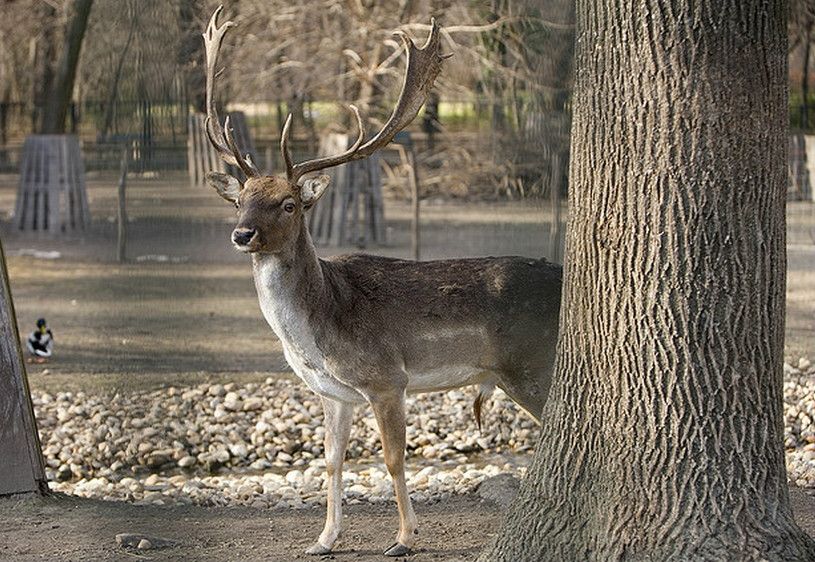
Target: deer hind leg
pixel 390 417
pixel 338 416
pixel 527 388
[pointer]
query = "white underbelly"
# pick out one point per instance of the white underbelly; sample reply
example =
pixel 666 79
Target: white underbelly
pixel 320 381
pixel 451 357
pixel 445 377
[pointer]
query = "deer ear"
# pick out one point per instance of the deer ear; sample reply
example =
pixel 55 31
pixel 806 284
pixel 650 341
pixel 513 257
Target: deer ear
pixel 227 187
pixel 312 189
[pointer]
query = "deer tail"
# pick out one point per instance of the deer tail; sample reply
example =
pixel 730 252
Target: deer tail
pixel 484 392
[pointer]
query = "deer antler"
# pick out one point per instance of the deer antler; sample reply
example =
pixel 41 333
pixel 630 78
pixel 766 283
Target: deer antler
pixel 223 141
pixel 423 65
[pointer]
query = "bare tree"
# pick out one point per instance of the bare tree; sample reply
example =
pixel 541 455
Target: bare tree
pixel 59 95
pixel 113 93
pixel 662 435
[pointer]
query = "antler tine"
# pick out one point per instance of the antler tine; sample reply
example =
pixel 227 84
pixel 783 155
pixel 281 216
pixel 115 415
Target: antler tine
pixel 213 36
pixel 423 66
pixel 244 162
pixel 284 147
pixel 298 170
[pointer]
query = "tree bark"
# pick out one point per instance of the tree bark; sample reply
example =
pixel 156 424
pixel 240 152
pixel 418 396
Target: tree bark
pixel 41 59
pixel 662 436
pixel 59 97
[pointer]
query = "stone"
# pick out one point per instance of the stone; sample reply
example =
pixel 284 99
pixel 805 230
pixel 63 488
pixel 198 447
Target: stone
pixel 232 401
pixel 252 404
pixel 187 461
pixel 134 540
pixel 239 450
pixel 500 489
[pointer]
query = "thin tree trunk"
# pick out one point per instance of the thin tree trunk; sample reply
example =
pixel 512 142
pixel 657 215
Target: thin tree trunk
pixel 59 96
pixel 110 106
pixel 662 436
pixel 121 231
pixel 805 81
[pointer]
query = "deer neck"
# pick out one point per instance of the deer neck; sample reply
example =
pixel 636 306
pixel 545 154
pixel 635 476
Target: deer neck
pixel 290 285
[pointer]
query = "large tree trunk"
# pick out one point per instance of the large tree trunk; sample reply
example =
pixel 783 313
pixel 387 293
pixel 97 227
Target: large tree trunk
pixel 662 436
pixel 59 96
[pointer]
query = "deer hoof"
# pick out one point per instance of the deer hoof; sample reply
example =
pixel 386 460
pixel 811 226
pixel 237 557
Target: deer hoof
pixel 398 549
pixel 318 549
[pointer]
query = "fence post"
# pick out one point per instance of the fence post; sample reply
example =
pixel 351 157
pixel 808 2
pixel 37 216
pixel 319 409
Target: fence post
pixel 121 247
pixel 413 175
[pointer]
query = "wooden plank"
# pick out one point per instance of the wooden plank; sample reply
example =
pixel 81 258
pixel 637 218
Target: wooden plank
pixel 79 186
pixel 59 191
pixel 377 220
pixel 413 177
pixel 191 171
pixel 21 464
pixel 359 179
pixel 21 205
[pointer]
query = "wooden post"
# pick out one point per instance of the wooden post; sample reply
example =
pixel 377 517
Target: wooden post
pixel 413 175
pixel 269 160
pixel 21 464
pixel 555 236
pixel 121 247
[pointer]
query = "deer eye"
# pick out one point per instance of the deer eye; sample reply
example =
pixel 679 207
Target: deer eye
pixel 288 207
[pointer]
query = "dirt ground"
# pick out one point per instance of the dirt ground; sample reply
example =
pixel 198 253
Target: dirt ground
pixel 193 318
pixel 72 529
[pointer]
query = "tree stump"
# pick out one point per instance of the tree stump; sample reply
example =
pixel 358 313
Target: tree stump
pixel 21 465
pixel 351 212
pixel 203 158
pixel 51 196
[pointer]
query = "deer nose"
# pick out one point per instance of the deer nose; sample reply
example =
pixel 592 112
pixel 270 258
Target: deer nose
pixel 242 236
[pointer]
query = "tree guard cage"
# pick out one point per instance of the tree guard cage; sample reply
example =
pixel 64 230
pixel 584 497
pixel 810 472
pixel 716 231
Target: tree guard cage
pixel 21 464
pixel 202 156
pixel 351 212
pixel 51 196
pixel 801 164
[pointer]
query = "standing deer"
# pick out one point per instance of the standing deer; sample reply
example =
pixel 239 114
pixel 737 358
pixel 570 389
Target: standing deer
pixel 367 329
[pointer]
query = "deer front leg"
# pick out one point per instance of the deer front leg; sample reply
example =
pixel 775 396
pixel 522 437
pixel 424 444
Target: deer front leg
pixel 338 416
pixel 390 417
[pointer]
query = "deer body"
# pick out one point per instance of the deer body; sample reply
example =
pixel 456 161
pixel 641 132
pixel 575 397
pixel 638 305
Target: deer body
pixel 423 326
pixel 366 329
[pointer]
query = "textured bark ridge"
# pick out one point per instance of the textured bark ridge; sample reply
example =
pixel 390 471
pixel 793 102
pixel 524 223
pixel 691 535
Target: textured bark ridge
pixel 662 437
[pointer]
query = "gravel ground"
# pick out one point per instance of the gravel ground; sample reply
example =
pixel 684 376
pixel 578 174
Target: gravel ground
pixel 260 445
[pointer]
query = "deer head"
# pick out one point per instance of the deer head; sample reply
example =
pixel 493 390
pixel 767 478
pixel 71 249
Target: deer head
pixel 271 209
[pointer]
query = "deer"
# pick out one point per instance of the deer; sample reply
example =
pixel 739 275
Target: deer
pixel 363 329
